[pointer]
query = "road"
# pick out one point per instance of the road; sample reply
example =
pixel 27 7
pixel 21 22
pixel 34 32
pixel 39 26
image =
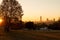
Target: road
pixel 28 35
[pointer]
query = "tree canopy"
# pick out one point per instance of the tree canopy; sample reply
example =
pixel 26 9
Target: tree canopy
pixel 11 8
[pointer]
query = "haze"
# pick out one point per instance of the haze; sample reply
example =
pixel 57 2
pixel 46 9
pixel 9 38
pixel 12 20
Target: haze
pixel 33 9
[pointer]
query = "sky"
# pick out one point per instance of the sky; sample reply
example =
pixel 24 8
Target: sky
pixel 33 9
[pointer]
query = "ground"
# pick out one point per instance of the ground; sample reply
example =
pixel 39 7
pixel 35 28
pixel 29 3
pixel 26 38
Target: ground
pixel 29 35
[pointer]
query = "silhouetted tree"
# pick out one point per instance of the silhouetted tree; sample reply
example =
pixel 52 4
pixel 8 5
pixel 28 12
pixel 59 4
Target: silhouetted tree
pixel 20 24
pixel 55 26
pixel 11 8
pixel 29 25
pixel 37 26
pixel 43 25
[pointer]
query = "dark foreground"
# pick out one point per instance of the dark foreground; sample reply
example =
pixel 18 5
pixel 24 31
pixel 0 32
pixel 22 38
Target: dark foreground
pixel 29 35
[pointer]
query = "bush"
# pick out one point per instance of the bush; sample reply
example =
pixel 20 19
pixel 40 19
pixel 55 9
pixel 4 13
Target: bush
pixel 29 25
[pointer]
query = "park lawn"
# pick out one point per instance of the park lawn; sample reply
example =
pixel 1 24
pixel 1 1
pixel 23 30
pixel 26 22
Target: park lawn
pixel 34 35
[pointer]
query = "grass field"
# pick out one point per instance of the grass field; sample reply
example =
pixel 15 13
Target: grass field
pixel 34 35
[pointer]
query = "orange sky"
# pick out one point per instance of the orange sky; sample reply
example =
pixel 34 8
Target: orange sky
pixel 33 9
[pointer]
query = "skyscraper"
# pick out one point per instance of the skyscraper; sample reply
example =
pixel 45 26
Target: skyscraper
pixel 40 18
pixel 47 19
pixel 54 19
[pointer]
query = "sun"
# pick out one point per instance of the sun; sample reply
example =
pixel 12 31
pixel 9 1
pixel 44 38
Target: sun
pixel 1 20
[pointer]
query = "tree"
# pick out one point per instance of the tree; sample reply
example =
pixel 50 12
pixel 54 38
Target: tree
pixel 29 25
pixel 55 25
pixel 11 8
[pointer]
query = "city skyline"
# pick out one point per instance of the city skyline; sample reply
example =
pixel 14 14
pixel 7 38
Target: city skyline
pixel 33 9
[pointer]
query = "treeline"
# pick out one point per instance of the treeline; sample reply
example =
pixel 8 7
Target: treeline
pixel 38 26
pixel 55 25
pixel 31 25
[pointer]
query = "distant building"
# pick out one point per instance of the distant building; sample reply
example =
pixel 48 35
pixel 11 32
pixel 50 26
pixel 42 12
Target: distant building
pixel 59 19
pixel 54 20
pixel 47 19
pixel 40 18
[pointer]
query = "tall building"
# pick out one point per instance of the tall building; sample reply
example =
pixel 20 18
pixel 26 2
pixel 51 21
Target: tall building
pixel 40 18
pixel 59 19
pixel 47 19
pixel 54 19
